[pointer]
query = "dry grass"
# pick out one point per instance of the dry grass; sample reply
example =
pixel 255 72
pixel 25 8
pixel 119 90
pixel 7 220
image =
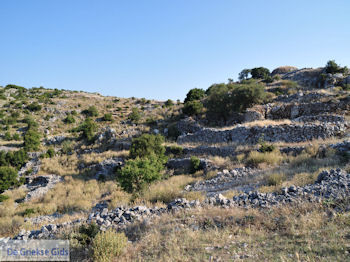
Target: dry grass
pixel 65 165
pixel 290 233
pixel 95 158
pixel 256 158
pixel 268 122
pixel 167 190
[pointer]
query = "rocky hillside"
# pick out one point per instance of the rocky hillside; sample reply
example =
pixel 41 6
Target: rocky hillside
pixel 254 169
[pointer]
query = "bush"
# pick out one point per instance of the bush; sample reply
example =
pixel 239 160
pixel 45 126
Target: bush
pixel 34 107
pixel 69 119
pixel 224 100
pixel 194 94
pixel 244 74
pixel 107 117
pixel 91 111
pixel 176 150
pixel 192 108
pixel 88 129
pixel 3 198
pixel 87 233
pixel 169 103
pixel 275 179
pixel 139 172
pixel 16 137
pixel 135 115
pixel 31 140
pixel 7 136
pixel 173 131
pixel 8 178
pixel 260 72
pixel 332 68
pixel 107 245
pixel 50 152
pixel 195 164
pixel 265 147
pixel 271 158
pixel 147 145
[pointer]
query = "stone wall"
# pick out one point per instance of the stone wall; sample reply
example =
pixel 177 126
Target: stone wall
pixel 251 135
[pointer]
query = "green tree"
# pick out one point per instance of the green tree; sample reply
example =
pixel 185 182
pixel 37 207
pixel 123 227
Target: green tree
pixel 135 115
pixel 91 111
pixel 88 129
pixel 260 72
pixel 192 108
pixel 8 178
pixel 194 94
pixel 147 145
pixel 139 172
pixel 332 68
pixel 244 74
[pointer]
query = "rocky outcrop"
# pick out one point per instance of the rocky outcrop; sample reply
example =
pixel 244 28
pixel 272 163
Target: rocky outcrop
pixel 308 77
pixel 251 135
pixel 38 186
pixel 283 70
pixel 188 125
pixel 184 165
pixel 107 167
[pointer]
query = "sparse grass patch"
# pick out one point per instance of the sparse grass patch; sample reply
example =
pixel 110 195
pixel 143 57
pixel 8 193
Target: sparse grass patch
pixel 168 189
pixel 270 158
pixel 275 179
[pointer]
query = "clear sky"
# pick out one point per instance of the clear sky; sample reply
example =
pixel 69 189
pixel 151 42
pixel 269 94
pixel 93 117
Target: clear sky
pixel 162 48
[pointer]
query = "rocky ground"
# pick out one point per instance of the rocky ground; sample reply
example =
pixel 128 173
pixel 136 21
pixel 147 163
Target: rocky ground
pixel 308 164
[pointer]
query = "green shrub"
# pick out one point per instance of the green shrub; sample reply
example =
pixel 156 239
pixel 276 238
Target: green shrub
pixel 8 178
pixel 195 164
pixel 176 150
pixel 147 145
pixel 50 152
pixel 265 147
pixel 107 117
pixel 16 137
pixel 8 136
pixel 173 131
pixel 34 107
pixel 139 172
pixel 194 94
pixel 87 233
pixel 91 111
pixel 28 211
pixel 3 198
pixel 108 245
pixel 67 147
pixel 32 140
pixel 88 129
pixel 332 68
pixel 69 119
pixel 192 108
pixel 169 103
pixel 135 115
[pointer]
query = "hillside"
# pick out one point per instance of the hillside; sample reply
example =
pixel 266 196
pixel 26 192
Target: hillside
pixel 253 169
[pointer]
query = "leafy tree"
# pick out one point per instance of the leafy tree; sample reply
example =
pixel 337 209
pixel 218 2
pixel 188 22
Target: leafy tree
pixel 8 178
pixel 192 108
pixel 244 74
pixel 139 172
pixel 332 68
pixel 147 145
pixel 194 94
pixel 260 72
pixel 232 98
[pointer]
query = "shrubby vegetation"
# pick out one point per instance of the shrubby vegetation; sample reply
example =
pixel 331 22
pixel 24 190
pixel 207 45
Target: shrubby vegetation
pixel 88 129
pixel 146 163
pixel 107 117
pixel 332 68
pixel 194 94
pixel 192 108
pixel 226 99
pixel 91 111
pixel 135 115
pixel 8 178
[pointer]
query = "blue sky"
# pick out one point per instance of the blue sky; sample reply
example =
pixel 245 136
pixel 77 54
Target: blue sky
pixel 161 48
